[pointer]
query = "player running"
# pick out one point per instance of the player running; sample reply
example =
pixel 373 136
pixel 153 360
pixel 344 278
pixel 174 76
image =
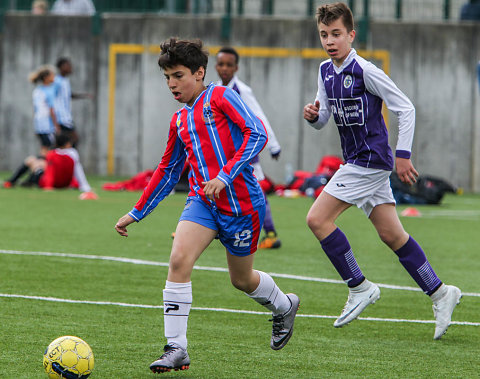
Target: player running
pixel 220 136
pixel 353 89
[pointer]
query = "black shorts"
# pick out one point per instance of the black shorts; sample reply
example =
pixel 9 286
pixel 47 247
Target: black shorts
pixel 68 129
pixel 46 139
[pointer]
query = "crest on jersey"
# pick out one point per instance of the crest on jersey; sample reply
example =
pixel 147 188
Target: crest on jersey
pixel 179 123
pixel 208 115
pixel 347 82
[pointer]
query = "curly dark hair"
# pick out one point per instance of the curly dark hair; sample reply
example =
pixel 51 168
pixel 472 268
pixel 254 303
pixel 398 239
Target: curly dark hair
pixel 188 53
pixel 329 13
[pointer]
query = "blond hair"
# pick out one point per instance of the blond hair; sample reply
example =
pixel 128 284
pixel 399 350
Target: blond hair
pixel 41 73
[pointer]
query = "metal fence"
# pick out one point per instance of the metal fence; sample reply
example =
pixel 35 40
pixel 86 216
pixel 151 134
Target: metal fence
pixel 408 10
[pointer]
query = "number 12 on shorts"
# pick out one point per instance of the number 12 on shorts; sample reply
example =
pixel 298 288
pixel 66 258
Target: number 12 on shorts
pixel 242 239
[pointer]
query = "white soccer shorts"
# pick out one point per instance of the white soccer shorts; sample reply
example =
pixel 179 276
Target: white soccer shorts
pixel 364 187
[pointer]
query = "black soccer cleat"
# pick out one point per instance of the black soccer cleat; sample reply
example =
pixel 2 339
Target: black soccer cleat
pixel 282 328
pixel 174 358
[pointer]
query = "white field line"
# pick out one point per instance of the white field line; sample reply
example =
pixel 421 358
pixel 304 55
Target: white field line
pixel 204 268
pixel 129 305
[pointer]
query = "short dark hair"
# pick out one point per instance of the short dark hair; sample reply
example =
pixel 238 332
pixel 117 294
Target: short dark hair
pixel 329 13
pixel 62 139
pixel 230 50
pixel 189 53
pixel 61 61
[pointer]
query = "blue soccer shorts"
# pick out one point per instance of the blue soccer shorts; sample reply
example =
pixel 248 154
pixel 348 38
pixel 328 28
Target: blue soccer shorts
pixel 239 234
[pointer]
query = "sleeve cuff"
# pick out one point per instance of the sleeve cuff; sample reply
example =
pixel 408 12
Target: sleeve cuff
pixel 224 178
pixel 135 214
pixel 403 154
pixel 314 120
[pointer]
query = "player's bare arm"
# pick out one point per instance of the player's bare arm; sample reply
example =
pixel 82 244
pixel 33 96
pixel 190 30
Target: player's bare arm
pixel 405 170
pixel 122 223
pixel 310 111
pixel 213 188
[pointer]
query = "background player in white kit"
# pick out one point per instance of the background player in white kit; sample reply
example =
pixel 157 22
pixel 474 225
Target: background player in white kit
pixel 353 89
pixel 227 66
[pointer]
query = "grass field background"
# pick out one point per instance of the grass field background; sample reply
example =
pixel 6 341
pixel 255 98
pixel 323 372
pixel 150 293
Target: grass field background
pixel 393 339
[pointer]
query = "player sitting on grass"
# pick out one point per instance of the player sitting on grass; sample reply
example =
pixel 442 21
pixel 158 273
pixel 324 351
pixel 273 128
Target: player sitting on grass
pixel 61 168
pixel 353 90
pixel 220 136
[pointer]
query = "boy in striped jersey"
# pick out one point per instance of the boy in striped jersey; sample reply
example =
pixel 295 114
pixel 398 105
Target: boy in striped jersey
pixel 353 89
pixel 220 136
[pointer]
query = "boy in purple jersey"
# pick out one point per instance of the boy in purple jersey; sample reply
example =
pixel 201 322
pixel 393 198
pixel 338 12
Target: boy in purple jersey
pixel 353 89
pixel 219 135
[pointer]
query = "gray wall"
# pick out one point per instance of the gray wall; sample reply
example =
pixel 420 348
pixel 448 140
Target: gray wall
pixel 435 65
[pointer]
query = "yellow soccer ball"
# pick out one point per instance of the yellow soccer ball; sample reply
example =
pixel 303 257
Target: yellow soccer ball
pixel 68 357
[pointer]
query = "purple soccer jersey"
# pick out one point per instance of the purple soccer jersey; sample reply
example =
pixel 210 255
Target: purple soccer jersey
pixel 358 115
pixel 354 94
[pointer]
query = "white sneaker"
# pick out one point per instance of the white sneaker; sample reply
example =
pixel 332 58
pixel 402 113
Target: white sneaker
pixel 443 309
pixel 358 299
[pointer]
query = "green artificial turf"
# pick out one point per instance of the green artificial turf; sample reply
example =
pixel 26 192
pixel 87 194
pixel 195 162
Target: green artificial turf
pixel 125 339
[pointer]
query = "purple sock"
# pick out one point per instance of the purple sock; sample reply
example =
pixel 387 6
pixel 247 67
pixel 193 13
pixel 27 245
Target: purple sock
pixel 413 258
pixel 268 221
pixel 340 253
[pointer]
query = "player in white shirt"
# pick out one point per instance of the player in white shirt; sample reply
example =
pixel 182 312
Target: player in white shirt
pixel 227 66
pixel 43 96
pixel 63 99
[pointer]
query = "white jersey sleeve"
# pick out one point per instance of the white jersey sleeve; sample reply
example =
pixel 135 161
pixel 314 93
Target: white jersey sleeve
pixel 248 97
pixel 324 111
pixel 379 84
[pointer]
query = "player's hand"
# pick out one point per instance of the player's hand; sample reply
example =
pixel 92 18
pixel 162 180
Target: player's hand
pixel 276 155
pixel 212 188
pixel 122 223
pixel 405 171
pixel 310 111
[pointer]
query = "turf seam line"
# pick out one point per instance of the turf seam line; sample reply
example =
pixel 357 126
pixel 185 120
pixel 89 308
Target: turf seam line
pixel 129 305
pixel 204 268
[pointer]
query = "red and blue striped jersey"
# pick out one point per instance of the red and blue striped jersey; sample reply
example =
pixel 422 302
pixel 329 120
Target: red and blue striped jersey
pixel 219 135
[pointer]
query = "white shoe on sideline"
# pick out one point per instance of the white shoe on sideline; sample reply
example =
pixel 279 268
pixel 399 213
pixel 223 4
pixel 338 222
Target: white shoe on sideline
pixel 358 299
pixel 443 309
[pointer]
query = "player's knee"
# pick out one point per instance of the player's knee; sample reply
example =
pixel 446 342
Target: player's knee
pixel 315 222
pixel 29 160
pixel 178 263
pixel 241 283
pixel 390 238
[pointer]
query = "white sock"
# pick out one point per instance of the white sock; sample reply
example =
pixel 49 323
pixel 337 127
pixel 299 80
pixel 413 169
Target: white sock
pixel 439 293
pixel 363 286
pixel 177 301
pixel 270 296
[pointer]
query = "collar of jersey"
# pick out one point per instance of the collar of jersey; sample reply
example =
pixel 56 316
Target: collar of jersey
pixel 187 107
pixel 346 62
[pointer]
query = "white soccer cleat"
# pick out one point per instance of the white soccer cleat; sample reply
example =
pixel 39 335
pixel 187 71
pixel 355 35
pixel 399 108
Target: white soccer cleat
pixel 358 299
pixel 443 309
